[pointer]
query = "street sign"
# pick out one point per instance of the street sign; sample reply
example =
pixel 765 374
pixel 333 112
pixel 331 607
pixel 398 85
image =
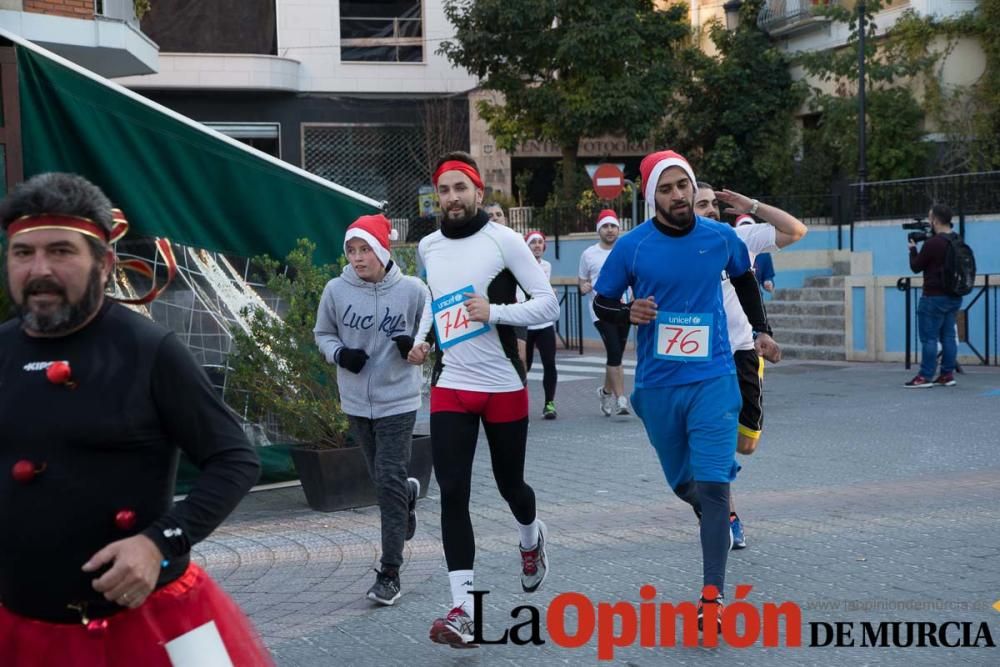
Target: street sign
pixel 608 181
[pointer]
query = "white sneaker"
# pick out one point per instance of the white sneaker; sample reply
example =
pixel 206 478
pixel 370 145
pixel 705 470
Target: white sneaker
pixel 622 406
pixel 607 402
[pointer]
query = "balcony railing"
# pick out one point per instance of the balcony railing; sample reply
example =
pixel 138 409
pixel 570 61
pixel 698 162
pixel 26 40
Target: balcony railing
pixel 782 16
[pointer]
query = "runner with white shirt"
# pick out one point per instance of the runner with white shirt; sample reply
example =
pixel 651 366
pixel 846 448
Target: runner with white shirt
pixel 474 267
pixel 784 229
pixel 613 335
pixel 543 336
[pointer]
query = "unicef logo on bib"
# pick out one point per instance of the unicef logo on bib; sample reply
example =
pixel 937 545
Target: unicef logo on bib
pixel 451 321
pixel 684 336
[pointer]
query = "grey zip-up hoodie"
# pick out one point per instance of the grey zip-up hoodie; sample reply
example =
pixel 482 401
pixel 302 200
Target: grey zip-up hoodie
pixel 358 314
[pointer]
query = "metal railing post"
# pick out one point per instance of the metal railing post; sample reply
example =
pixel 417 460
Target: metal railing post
pixel 961 205
pixel 986 317
pixel 904 284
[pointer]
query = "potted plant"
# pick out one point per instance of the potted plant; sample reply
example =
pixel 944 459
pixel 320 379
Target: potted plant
pixel 279 376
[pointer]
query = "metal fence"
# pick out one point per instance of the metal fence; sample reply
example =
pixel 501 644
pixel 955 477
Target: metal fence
pixel 821 209
pixel 569 327
pixel 987 293
pixel 385 162
pixel 849 203
pixel 966 194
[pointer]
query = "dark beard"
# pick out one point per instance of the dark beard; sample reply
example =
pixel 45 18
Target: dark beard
pixel 67 316
pixel 673 220
pixel 468 213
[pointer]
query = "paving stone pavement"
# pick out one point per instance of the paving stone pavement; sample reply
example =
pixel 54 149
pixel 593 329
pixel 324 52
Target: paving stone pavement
pixel 865 502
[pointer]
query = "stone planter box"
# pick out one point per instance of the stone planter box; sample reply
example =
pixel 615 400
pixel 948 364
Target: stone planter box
pixel 337 479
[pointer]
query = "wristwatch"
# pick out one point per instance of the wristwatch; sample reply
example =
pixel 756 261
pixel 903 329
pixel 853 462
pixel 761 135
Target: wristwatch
pixel 753 206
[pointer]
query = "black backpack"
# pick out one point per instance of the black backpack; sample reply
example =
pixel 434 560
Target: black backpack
pixel 959 267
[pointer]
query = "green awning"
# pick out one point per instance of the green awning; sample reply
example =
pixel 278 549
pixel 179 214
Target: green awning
pixel 170 175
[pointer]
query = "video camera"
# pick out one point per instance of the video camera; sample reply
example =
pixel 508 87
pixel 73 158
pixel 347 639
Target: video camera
pixel 924 233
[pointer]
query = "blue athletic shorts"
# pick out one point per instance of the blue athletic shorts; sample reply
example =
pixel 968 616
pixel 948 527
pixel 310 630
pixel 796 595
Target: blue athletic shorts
pixel 693 428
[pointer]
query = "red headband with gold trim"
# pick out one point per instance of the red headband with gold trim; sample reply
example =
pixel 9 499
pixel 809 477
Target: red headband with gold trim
pixel 457 165
pixel 30 223
pixel 119 228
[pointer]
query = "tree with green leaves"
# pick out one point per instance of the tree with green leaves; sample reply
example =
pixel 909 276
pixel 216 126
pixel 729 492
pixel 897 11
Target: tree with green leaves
pixel 894 118
pixel 570 69
pixel 736 120
pixel 967 116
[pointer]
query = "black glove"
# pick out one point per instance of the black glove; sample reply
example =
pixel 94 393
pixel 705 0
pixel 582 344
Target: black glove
pixel 351 359
pixel 405 344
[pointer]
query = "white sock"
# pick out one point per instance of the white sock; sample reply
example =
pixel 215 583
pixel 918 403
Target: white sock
pixel 461 590
pixel 529 534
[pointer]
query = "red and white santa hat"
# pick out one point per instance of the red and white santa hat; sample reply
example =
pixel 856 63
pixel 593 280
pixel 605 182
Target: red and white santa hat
pixel 534 234
pixel 653 166
pixel 376 231
pixel 607 217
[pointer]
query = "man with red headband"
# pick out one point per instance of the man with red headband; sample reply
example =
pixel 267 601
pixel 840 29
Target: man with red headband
pixel 474 267
pixel 95 565
pixel 685 381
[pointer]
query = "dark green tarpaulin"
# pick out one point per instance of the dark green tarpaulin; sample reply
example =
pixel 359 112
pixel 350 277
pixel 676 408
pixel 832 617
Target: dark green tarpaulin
pixel 172 178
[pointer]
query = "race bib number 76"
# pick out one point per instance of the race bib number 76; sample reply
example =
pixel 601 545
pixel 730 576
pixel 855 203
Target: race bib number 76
pixel 684 336
pixel 451 321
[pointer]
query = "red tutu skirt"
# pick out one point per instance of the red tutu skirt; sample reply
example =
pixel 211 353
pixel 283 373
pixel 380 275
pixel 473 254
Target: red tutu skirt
pixel 154 635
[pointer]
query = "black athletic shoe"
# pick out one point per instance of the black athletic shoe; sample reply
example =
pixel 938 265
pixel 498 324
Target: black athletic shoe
pixel 385 589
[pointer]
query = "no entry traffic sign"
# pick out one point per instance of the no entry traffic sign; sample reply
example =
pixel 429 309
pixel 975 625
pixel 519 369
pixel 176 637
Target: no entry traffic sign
pixel 608 181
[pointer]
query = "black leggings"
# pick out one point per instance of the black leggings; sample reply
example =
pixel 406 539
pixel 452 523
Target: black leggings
pixel 453 441
pixel 545 340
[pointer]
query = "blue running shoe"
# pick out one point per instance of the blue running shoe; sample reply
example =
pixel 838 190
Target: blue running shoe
pixel 736 526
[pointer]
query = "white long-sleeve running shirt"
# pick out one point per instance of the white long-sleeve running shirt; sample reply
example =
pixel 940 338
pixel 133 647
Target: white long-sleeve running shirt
pixel 493 262
pixel 758 238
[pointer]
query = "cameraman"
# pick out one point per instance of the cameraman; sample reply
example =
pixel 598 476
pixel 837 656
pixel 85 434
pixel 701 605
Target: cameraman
pixel 937 310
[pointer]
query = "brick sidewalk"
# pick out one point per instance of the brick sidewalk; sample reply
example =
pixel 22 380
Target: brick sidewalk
pixel 865 502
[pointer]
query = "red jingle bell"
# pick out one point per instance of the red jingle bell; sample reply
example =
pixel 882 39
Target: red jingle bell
pixel 97 627
pixel 58 372
pixel 125 519
pixel 24 471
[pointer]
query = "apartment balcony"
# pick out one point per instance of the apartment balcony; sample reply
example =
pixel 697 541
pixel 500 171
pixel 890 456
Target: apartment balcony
pixel 220 71
pixel 108 42
pixel 786 17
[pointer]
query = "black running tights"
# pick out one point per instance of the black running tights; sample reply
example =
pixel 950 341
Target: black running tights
pixel 453 441
pixel 545 341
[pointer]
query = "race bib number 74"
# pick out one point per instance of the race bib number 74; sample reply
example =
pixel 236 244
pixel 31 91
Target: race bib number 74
pixel 684 336
pixel 451 321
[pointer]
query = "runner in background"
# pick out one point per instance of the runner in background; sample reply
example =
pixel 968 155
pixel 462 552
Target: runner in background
pixel 543 336
pixel 614 335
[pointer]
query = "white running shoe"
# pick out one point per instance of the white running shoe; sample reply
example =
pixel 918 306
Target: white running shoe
pixel 607 402
pixel 622 406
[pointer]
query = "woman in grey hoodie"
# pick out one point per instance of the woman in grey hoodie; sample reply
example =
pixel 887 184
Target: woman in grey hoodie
pixel 368 320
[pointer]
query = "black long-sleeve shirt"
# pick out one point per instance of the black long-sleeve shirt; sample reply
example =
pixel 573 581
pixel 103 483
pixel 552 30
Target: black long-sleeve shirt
pixel 930 260
pixel 111 443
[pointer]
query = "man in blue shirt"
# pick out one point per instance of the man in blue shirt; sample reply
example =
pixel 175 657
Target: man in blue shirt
pixel 686 392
